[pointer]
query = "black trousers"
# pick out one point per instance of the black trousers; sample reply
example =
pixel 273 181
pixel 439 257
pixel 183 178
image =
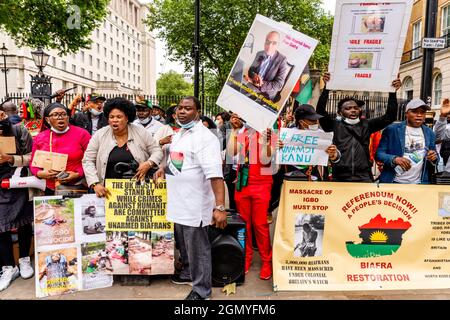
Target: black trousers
pixel 25 234
pixel 229 179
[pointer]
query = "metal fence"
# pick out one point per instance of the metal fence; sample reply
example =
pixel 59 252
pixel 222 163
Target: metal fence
pixel 375 105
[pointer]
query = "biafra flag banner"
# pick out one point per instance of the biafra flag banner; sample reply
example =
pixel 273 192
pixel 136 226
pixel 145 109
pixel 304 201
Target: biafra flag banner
pixel 139 237
pixel 361 236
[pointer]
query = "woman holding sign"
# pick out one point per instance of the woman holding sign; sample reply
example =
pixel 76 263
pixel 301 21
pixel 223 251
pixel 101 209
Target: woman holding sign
pixel 120 142
pixel 16 211
pixel 63 145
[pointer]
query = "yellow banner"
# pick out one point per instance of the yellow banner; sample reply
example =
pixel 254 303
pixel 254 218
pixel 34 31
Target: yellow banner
pixel 136 207
pixel 360 236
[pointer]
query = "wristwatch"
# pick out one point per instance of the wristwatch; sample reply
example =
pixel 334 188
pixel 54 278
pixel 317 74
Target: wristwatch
pixel 220 208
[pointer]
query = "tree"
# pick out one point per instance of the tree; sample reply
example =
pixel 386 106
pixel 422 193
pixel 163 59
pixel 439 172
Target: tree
pixel 173 84
pixel 65 25
pixel 225 24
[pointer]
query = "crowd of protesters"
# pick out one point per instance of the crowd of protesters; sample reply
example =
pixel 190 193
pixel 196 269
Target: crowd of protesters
pixel 198 157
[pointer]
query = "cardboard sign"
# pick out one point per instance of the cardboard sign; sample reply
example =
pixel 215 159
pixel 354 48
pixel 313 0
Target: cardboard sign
pixel 50 160
pixel 8 145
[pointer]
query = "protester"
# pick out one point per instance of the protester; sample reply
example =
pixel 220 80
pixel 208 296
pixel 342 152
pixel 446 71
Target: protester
pixel 253 191
pixel 231 158
pixel 221 119
pixel 120 141
pixel 144 117
pixel 164 134
pixel 31 111
pixel 61 138
pixel 442 130
pixel 194 168
pixel 352 133
pixel 306 118
pixel 158 113
pixel 207 122
pixel 16 211
pixel 93 119
pixel 10 109
pixel 408 149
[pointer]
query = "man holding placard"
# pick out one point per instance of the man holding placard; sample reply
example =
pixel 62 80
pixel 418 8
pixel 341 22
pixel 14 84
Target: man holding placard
pixel 352 133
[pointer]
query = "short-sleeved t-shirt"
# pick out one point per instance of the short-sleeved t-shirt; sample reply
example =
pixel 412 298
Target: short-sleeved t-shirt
pixel 194 158
pixel 415 152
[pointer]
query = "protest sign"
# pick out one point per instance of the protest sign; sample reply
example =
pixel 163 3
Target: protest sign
pixel 367 44
pixel 139 237
pixel 304 147
pixel 68 257
pixel 362 236
pixel 8 145
pixel 50 160
pixel 268 67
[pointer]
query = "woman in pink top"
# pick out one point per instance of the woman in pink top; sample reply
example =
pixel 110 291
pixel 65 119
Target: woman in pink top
pixel 61 138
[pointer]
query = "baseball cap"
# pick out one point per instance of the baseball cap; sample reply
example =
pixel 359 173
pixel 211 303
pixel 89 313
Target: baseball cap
pixel 306 111
pixel 416 103
pixel 95 96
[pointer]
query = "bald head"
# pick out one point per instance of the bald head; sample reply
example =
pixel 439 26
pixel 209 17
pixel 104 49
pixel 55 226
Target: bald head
pixel 271 44
pixel 10 108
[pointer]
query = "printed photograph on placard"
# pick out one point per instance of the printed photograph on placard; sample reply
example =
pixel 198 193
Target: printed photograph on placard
pixel 54 221
pixel 57 272
pixel 117 249
pixel 360 60
pixel 444 204
pixel 372 23
pixel 163 245
pixel 96 266
pixel 93 219
pixel 140 252
pixel 308 235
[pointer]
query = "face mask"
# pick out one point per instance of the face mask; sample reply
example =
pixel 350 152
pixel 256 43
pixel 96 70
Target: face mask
pixel 95 112
pixel 352 121
pixel 338 118
pixel 60 132
pixel 188 125
pixel 145 121
pixel 158 117
pixel 313 127
pixel 217 122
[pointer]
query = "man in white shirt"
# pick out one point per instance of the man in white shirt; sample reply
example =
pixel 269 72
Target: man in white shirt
pixel 144 117
pixel 442 130
pixel 195 196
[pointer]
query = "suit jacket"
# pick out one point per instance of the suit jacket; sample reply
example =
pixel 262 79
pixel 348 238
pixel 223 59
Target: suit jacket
pixel 275 75
pixel 84 120
pixel 392 145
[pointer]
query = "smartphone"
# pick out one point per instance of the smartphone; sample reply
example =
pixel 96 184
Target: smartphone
pixel 62 175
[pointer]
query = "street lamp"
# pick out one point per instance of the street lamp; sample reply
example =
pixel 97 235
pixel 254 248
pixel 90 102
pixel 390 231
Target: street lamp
pixel 41 86
pixel 4 52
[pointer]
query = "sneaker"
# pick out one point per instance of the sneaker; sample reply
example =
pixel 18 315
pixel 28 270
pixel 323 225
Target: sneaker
pixel 266 271
pixel 8 275
pixel 195 296
pixel 26 270
pixel 178 280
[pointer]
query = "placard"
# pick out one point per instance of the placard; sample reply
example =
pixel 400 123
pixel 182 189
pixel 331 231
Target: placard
pixel 50 160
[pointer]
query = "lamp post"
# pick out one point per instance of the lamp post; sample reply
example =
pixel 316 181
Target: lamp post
pixel 41 86
pixel 4 51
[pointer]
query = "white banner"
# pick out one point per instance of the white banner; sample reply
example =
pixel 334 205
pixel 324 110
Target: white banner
pixel 367 44
pixel 269 65
pixel 304 147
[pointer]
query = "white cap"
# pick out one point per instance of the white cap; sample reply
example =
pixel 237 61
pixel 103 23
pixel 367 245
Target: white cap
pixel 416 103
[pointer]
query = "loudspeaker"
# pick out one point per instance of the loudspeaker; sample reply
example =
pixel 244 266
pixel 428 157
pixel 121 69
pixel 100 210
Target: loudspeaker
pixel 228 251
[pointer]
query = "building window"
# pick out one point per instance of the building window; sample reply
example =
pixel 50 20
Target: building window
pixel 139 79
pixel 105 78
pixel 117 33
pixel 118 72
pixel 98 33
pixel 117 45
pixel 112 69
pixel 437 92
pixel 104 37
pixel 74 68
pixel 128 40
pixel 134 66
pixel 117 58
pixel 90 59
pixel 63 65
pixel 111 28
pixel 134 78
pixel 105 66
pixel 98 77
pixel 82 56
pixel 139 57
pixel 104 52
pixel 53 61
pixel 98 48
pixel 129 76
pixel 82 72
pixel 123 73
pixel 417 36
pixel 90 75
pixel 139 68
pixel 111 41
pixel 408 88
pixel 123 62
pixel 123 49
pixel 112 55
pixel 129 52
pixel 445 24
pixel 123 36
pixel 98 63
pixel 129 64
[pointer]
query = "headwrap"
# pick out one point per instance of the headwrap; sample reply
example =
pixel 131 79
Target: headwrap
pixel 32 108
pixel 51 107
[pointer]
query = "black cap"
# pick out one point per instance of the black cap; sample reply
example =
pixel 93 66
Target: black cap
pixel 306 111
pixel 95 97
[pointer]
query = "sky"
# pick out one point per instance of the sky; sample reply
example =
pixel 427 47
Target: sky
pixel 164 65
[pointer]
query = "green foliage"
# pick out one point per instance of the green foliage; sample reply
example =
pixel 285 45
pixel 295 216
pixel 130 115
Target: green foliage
pixel 225 24
pixel 65 25
pixel 173 84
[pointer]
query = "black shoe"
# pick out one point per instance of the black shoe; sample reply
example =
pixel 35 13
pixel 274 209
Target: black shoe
pixel 195 296
pixel 177 280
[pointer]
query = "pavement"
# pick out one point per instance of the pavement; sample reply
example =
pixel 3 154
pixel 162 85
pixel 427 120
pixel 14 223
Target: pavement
pixel 161 288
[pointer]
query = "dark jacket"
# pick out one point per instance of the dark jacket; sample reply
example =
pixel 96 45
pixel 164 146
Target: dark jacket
pixel 353 140
pixel 392 145
pixel 84 120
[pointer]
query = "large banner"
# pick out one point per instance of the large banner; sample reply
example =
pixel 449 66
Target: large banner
pixel 70 245
pixel 360 236
pixel 304 147
pixel 139 238
pixel 269 65
pixel 367 44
